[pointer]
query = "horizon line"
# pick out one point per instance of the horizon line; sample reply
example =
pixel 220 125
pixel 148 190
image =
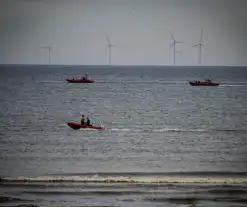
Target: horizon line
pixel 112 65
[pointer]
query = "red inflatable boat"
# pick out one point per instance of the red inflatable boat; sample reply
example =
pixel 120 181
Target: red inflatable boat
pixel 207 82
pixel 76 126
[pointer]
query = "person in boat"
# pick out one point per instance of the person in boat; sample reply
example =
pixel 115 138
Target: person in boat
pixel 83 120
pixel 88 122
pixel 85 77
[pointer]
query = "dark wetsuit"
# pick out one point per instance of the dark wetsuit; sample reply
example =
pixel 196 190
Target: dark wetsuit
pixel 82 121
pixel 88 122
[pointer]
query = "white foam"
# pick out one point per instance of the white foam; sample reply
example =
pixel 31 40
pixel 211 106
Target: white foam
pixel 123 130
pixel 167 129
pixel 50 81
pixel 231 85
pixel 88 129
pixel 120 179
pixel 170 130
pixel 159 130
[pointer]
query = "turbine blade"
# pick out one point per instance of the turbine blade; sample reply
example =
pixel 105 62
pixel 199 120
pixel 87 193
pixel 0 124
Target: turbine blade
pixel 108 40
pixel 195 45
pixel 172 45
pixel 172 36
pixel 201 36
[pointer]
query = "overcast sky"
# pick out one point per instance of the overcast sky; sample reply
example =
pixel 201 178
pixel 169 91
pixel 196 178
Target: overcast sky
pixel 139 29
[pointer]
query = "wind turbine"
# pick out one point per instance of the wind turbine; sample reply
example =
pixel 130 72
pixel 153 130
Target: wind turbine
pixel 109 46
pixel 200 45
pixel 49 52
pixel 174 46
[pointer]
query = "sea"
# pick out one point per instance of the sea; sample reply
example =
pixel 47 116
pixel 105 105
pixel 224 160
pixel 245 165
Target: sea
pixel 166 143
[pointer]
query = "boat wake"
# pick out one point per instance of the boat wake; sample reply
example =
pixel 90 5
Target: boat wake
pixel 51 81
pixel 88 129
pixel 161 130
pixel 229 85
pixel 125 130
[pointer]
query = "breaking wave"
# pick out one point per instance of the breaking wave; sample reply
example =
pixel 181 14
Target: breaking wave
pixel 9 199
pixel 229 178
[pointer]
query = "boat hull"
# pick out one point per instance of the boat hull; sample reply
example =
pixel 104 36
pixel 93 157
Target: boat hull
pixel 79 81
pixel 76 126
pixel 203 84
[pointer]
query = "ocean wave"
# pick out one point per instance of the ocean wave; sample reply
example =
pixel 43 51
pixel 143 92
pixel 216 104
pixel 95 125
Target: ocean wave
pixel 8 199
pixel 122 179
pixel 194 199
pixel 88 192
pixel 133 191
pixel 153 174
pixel 229 191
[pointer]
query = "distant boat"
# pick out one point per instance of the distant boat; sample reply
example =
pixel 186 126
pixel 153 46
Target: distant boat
pixel 76 126
pixel 79 80
pixel 206 82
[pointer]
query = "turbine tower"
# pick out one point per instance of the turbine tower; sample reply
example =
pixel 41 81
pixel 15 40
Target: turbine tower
pixel 49 52
pixel 174 47
pixel 200 45
pixel 109 47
